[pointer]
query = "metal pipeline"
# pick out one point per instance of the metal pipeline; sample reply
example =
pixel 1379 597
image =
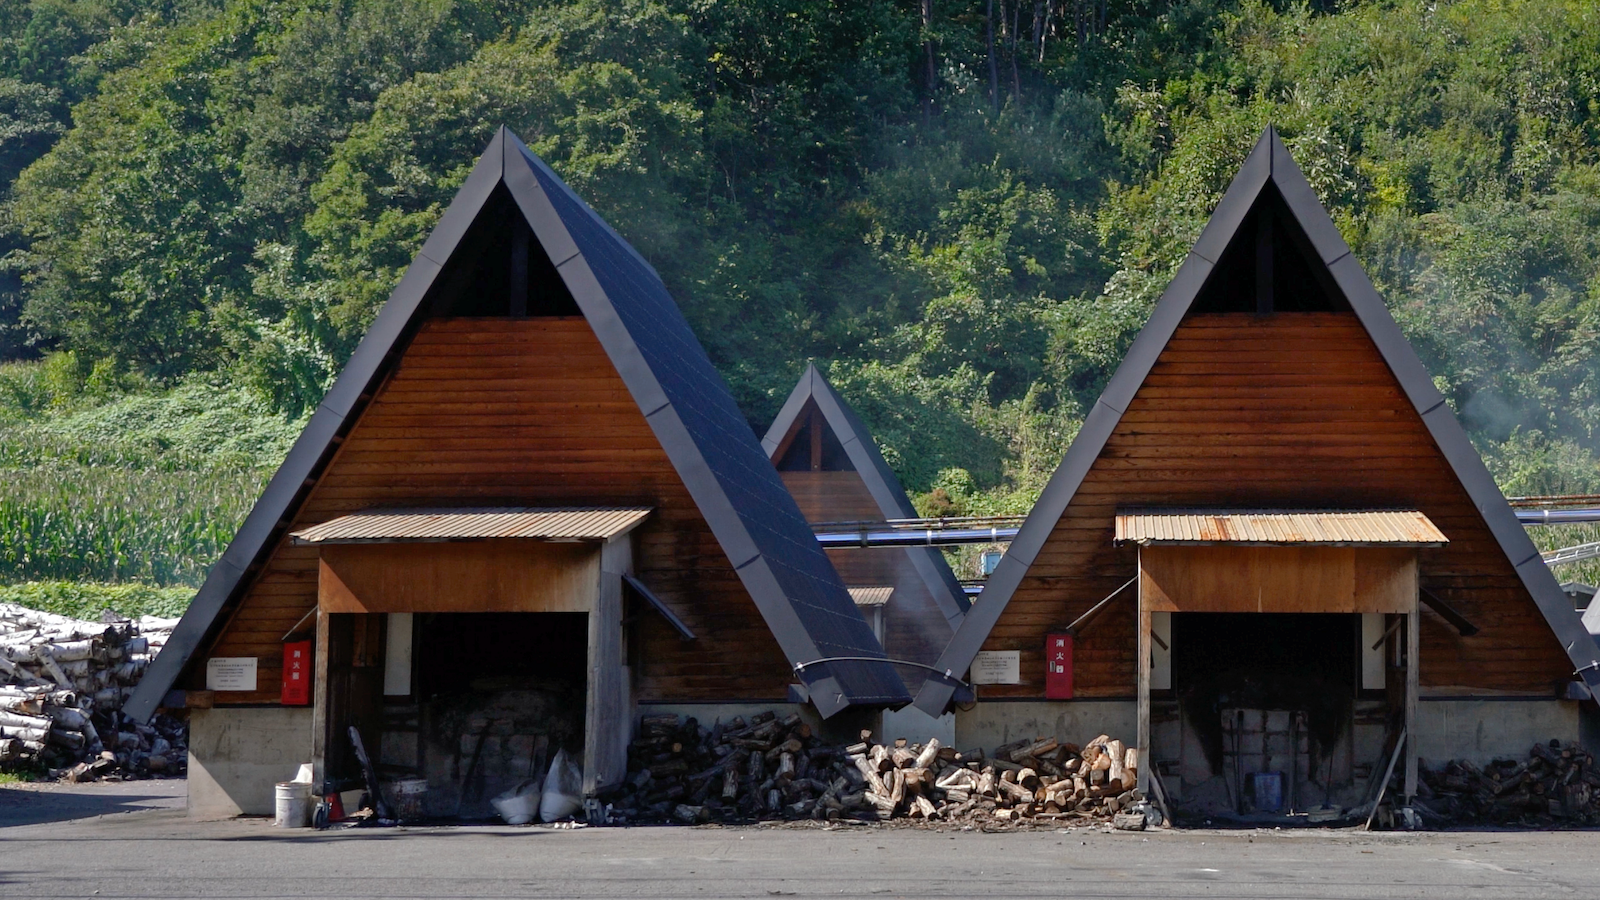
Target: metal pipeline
pixel 1572 554
pixel 922 537
pixel 1558 516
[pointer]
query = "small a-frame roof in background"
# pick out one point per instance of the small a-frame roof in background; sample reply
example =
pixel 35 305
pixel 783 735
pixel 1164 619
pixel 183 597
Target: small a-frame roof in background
pixel 674 384
pixel 1269 168
pixel 885 488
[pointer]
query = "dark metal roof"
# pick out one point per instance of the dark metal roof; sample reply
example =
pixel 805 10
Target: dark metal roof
pixel 874 471
pixel 578 523
pixel 674 384
pixel 1268 165
pixel 1324 527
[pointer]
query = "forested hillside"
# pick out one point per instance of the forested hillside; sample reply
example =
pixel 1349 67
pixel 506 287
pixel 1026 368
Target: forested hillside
pixel 964 208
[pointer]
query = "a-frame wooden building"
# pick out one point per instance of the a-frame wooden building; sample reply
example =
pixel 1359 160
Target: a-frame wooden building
pixel 528 508
pixel 1272 546
pixel 828 460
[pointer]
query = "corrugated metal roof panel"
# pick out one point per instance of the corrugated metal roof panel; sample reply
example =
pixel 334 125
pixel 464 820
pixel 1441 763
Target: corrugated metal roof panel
pixel 871 596
pixel 578 523
pixel 1391 527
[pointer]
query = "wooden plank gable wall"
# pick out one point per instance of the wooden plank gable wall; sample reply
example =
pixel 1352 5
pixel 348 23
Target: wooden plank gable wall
pixel 1285 410
pixel 526 411
pixel 914 626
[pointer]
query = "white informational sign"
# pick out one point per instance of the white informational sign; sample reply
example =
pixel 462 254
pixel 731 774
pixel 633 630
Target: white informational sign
pixel 231 673
pixel 997 667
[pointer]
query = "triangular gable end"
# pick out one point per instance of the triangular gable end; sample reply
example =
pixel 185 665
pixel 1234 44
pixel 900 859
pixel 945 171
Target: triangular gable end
pixel 670 378
pixel 855 439
pixel 1268 181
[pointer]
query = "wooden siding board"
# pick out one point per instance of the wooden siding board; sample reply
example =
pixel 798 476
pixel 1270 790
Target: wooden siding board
pixel 914 626
pixel 481 458
pixel 1298 463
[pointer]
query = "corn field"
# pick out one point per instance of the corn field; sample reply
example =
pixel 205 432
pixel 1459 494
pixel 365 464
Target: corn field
pixel 106 499
pixel 116 524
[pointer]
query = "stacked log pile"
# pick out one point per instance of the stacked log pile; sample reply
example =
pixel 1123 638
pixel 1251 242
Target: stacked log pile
pixel 62 686
pixel 1046 779
pixel 1556 784
pixel 772 768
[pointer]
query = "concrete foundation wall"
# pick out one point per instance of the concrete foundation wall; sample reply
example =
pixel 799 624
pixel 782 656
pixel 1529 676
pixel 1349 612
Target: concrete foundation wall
pixel 917 726
pixel 1480 730
pixel 236 756
pixel 844 728
pixel 992 723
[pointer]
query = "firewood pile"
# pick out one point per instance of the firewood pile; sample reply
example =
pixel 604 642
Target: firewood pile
pixel 62 686
pixel 1556 784
pixel 772 768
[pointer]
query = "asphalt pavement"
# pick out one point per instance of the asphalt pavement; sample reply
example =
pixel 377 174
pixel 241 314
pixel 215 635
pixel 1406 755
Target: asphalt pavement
pixel 133 840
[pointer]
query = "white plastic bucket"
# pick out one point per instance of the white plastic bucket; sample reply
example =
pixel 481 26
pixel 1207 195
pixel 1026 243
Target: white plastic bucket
pixel 293 804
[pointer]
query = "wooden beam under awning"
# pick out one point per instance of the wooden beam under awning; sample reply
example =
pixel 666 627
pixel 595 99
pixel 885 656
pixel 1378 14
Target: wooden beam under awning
pixel 1448 613
pixel 510 575
pixel 1305 579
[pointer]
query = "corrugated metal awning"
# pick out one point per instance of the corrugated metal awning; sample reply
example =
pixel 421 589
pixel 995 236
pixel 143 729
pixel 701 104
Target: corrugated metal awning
pixel 1329 527
pixel 871 596
pixel 374 526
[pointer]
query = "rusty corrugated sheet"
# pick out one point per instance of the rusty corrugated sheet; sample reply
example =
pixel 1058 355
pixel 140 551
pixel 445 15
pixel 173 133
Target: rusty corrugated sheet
pixel 578 523
pixel 1392 527
pixel 871 596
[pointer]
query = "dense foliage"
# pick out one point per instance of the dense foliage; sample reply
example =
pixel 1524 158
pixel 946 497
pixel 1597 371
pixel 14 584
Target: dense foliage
pixel 87 601
pixel 966 209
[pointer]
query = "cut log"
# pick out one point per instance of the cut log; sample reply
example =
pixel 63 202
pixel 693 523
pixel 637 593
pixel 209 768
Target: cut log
pixel 33 735
pixel 986 782
pixel 879 755
pixel 1016 792
pixel 869 772
pixel 10 720
pixel 1040 747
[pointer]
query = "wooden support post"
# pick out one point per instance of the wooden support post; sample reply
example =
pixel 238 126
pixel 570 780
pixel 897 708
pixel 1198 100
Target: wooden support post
pixel 1413 684
pixel 817 424
pixel 319 706
pixel 1264 261
pixel 1145 764
pixel 608 715
pixel 519 267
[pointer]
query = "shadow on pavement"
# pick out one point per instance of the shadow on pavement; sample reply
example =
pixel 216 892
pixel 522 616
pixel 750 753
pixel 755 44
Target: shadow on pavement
pixel 279 835
pixel 37 804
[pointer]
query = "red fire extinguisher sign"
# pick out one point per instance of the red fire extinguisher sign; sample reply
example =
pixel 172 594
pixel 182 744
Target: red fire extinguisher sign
pixel 296 674
pixel 1058 666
